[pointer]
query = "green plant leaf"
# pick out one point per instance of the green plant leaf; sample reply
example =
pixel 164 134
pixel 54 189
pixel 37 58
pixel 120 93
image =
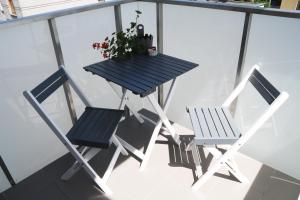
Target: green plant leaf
pixel 112 41
pixel 132 24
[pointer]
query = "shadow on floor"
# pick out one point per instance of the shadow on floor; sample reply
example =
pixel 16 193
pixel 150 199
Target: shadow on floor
pixel 179 157
pixel 270 184
pixel 46 183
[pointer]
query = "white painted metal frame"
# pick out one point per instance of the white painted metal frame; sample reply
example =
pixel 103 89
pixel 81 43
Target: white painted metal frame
pixel 161 111
pixel 82 154
pixel 226 159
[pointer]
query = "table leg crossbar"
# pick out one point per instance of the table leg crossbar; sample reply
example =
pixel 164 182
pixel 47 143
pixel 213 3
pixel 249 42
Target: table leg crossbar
pixel 161 112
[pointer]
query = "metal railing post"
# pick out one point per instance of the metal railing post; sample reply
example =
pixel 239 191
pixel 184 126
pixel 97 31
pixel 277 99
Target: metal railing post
pixel 118 18
pixel 159 29
pixel 243 50
pixel 6 172
pixel 60 61
pixel 119 27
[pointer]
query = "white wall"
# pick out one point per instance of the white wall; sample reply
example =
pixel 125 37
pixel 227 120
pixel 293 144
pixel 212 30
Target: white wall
pixel 210 38
pixel 274 43
pixel 77 33
pixel 27 144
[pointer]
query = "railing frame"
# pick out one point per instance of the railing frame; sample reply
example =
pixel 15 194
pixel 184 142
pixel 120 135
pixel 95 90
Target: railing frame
pixel 248 10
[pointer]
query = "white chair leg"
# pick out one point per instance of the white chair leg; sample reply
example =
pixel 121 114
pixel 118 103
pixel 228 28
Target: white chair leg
pixel 71 171
pixel 231 166
pixel 112 163
pixel 210 172
pixel 189 146
pixel 118 144
pixel 100 182
pixel 195 153
pixel 88 154
pixel 234 170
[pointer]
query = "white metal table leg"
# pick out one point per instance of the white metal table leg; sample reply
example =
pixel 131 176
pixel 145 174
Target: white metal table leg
pixel 130 148
pixel 163 119
pixel 112 164
pixel 122 103
pixel 151 145
pixel 125 101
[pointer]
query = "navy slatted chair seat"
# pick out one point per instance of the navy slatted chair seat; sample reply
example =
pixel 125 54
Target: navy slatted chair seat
pixel 95 127
pixel 94 130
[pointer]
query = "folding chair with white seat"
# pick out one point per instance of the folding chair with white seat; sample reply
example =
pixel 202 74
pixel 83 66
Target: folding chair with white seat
pixel 93 131
pixel 215 126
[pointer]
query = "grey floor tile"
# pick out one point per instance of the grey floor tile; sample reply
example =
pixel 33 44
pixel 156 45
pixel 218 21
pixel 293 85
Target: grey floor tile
pixel 262 180
pixel 50 193
pixel 279 190
pixel 253 195
pixel 2 197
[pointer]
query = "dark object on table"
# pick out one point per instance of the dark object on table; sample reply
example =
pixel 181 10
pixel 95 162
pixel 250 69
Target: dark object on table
pixel 145 41
pixel 140 30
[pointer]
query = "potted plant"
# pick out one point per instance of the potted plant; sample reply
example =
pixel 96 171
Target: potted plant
pixel 125 44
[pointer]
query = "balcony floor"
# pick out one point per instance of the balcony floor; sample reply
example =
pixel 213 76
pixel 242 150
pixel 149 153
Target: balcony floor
pixel 169 175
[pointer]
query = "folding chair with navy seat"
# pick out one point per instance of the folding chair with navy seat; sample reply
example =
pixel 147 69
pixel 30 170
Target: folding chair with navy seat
pixel 215 126
pixel 93 131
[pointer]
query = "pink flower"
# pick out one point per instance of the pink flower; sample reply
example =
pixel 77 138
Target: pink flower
pixel 104 45
pixel 105 55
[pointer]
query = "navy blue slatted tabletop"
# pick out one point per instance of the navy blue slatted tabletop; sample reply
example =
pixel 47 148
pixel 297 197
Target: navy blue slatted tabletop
pixel 142 74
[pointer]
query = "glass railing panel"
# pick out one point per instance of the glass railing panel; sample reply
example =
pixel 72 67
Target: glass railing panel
pixel 210 38
pixel 147 18
pixel 274 44
pixel 77 32
pixel 27 58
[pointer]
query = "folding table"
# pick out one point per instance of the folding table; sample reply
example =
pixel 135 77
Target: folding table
pixel 141 75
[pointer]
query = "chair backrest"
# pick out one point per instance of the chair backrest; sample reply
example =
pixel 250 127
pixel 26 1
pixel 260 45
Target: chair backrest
pixel 263 86
pixel 37 95
pixel 272 96
pixel 260 83
pixel 50 85
pixel 41 92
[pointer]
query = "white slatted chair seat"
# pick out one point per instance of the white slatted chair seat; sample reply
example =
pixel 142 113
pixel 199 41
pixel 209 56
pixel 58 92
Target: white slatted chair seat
pixel 213 125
